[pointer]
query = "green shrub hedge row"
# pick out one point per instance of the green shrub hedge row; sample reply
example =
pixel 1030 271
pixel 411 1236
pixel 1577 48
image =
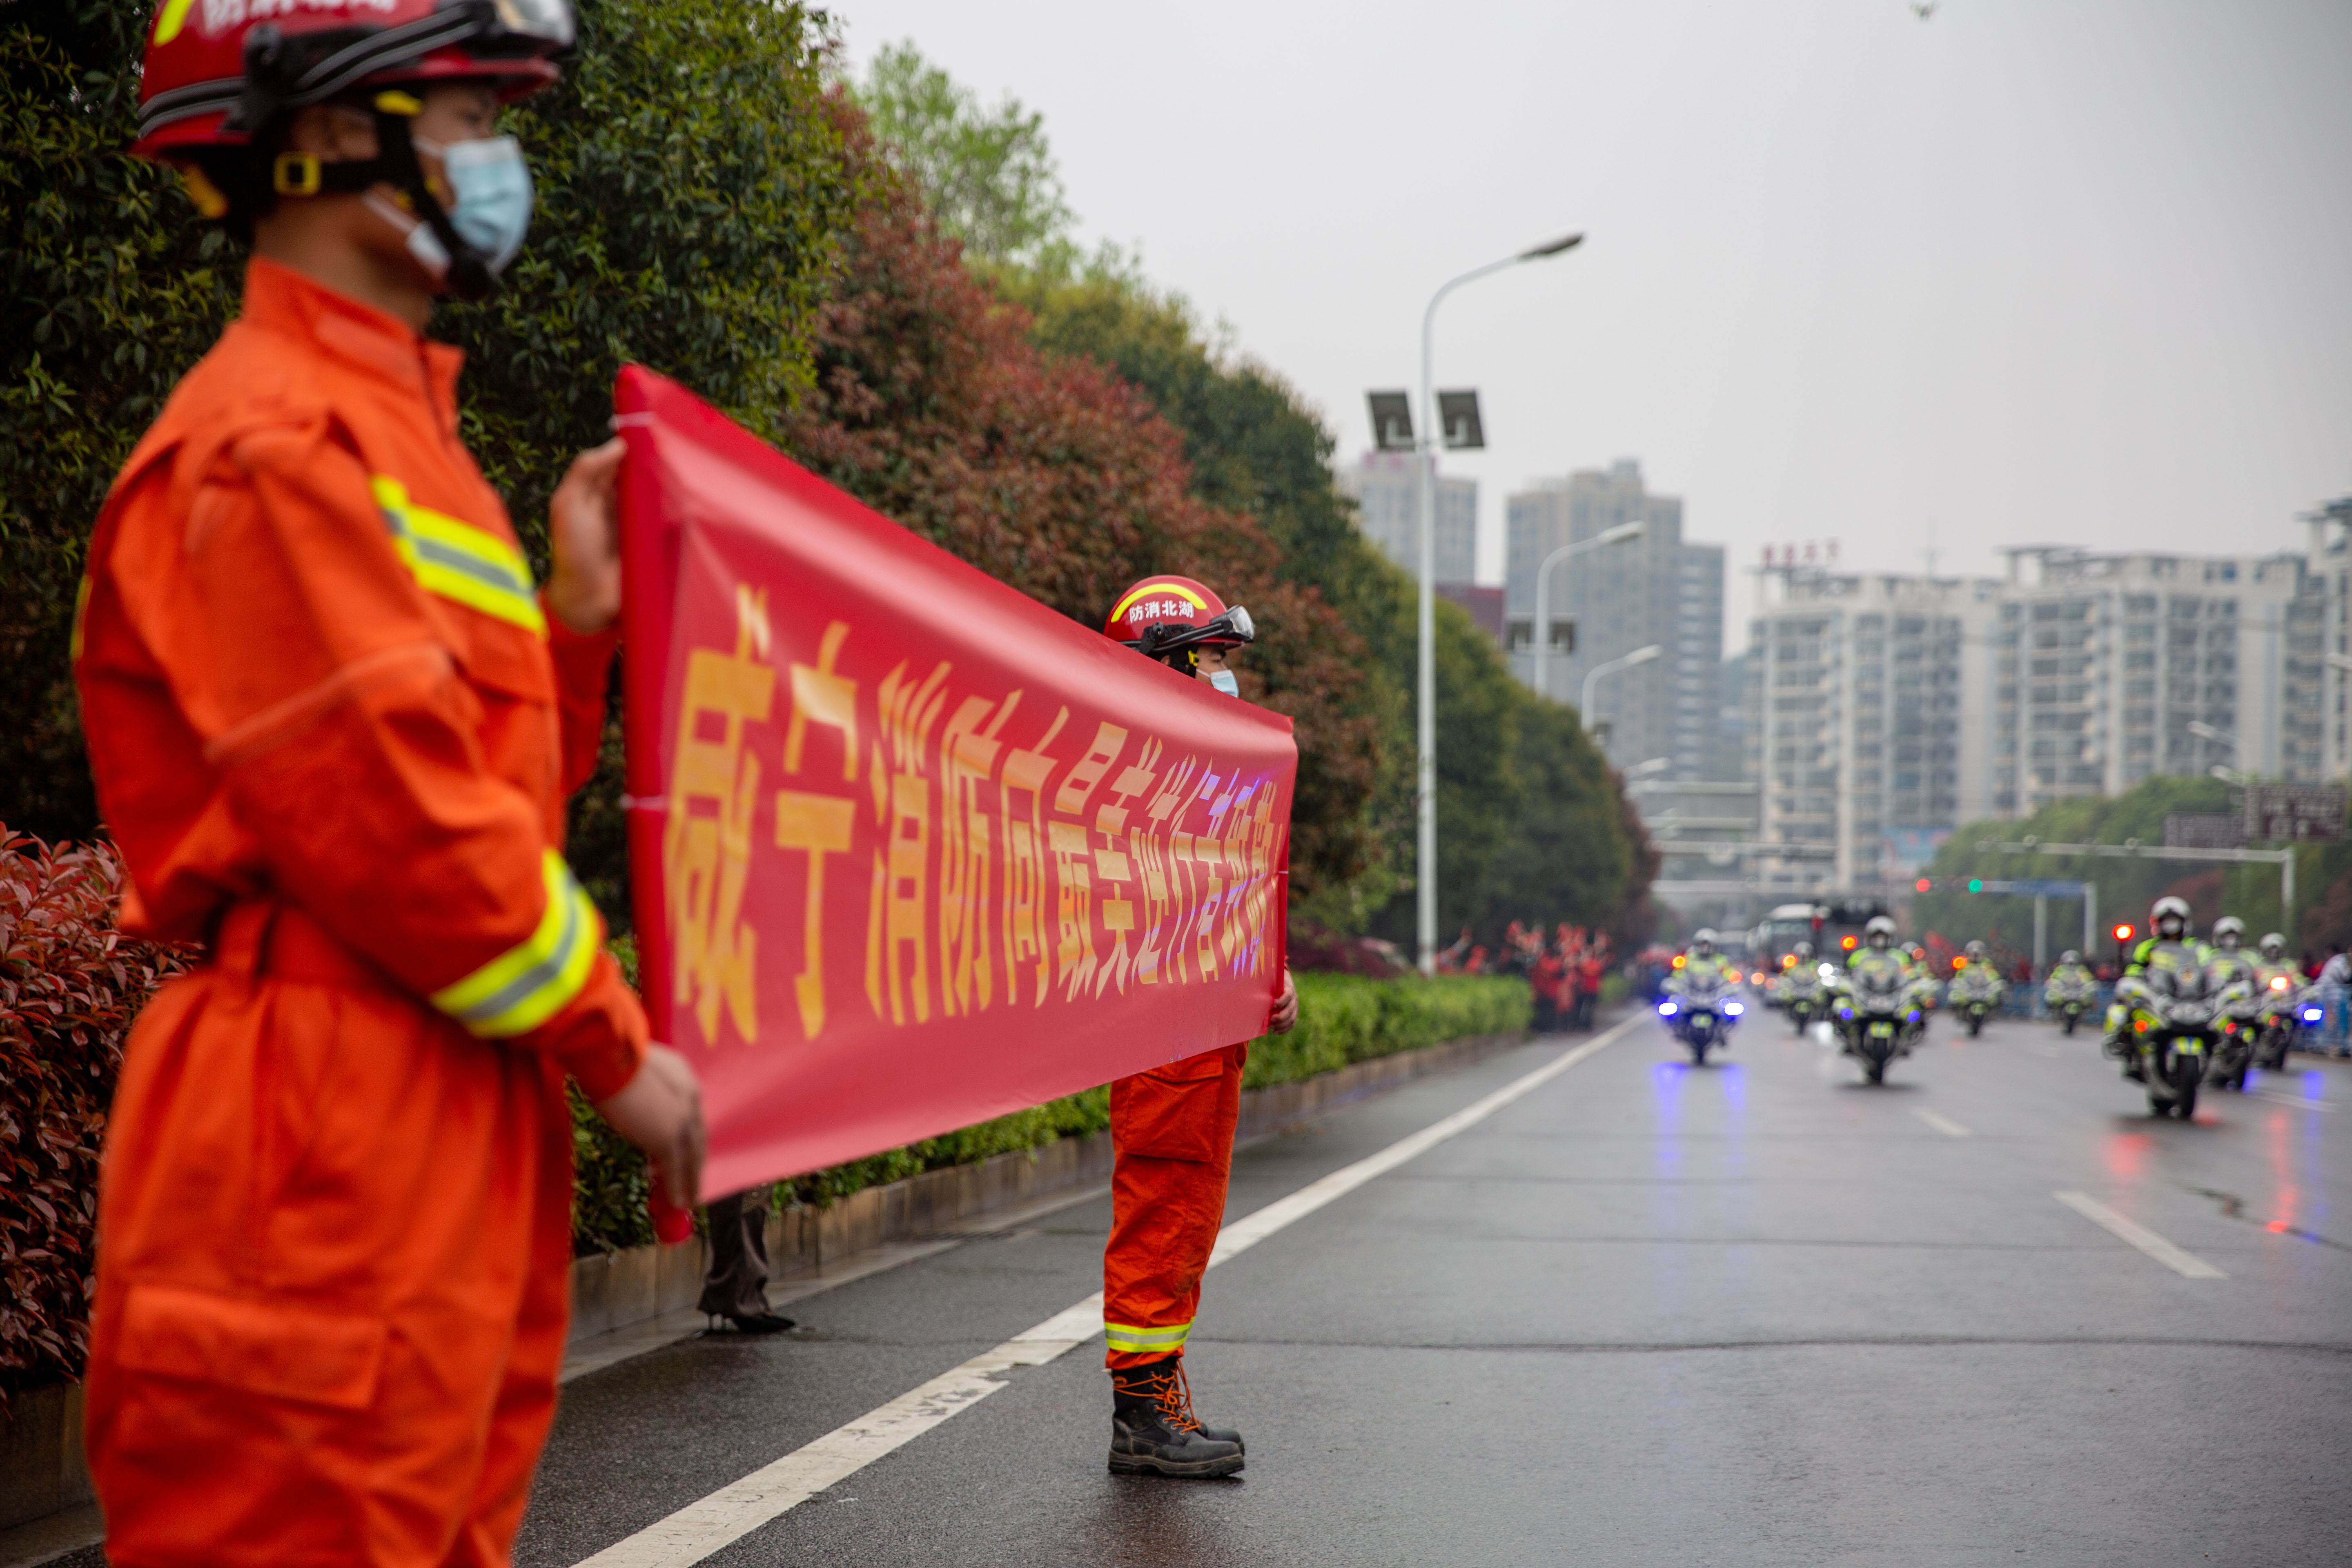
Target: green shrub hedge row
pixel 1342 1018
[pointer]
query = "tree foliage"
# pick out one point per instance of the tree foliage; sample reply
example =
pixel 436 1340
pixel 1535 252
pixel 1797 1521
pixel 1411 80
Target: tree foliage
pixel 933 406
pixel 70 985
pixel 987 174
pixel 2127 887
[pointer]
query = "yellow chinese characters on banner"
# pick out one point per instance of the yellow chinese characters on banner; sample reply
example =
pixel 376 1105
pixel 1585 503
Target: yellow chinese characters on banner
pixel 993 855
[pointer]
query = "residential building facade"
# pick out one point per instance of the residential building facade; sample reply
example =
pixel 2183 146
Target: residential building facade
pixel 1386 487
pixel 1614 599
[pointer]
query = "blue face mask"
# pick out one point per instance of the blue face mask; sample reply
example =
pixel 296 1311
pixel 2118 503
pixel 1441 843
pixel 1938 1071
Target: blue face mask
pixel 1222 679
pixel 491 184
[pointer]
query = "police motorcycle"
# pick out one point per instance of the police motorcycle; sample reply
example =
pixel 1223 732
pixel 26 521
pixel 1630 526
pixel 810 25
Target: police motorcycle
pixel 2070 992
pixel 1803 996
pixel 1976 992
pixel 1701 1004
pixel 1876 1005
pixel 2235 984
pixel 2163 1015
pixel 2284 1005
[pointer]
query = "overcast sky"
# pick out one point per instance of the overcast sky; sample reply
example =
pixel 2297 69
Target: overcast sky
pixel 2069 271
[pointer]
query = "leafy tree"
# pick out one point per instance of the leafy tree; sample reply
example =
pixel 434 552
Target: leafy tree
pixel 933 406
pixel 2127 885
pixel 987 175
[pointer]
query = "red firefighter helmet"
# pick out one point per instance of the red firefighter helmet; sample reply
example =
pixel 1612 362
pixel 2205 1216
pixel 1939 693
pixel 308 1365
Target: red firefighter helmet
pixel 1165 616
pixel 216 70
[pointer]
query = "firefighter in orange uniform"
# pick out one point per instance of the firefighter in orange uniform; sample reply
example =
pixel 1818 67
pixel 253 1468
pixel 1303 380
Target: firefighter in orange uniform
pixel 333 721
pixel 1172 1132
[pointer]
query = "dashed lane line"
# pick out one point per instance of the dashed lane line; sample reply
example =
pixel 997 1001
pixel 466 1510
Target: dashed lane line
pixel 1943 1124
pixel 706 1526
pixel 2186 1264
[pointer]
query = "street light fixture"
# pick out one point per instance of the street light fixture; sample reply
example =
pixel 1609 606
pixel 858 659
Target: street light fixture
pixel 1624 532
pixel 1425 790
pixel 1592 677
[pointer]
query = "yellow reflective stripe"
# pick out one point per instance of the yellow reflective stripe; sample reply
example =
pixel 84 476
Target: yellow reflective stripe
pixel 1131 1337
pixel 535 979
pixel 458 561
pixel 171 19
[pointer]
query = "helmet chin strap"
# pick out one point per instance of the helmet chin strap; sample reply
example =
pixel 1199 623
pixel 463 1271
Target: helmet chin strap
pixel 468 275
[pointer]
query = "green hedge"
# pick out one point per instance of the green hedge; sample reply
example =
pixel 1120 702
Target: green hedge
pixel 1342 1018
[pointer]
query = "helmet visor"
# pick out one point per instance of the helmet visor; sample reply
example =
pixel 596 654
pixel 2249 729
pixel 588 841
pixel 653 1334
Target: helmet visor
pixel 550 22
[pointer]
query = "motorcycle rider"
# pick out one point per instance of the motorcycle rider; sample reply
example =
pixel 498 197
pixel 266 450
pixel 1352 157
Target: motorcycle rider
pixel 2280 985
pixel 1703 958
pixel 2227 956
pixel 2070 980
pixel 1800 982
pixel 2166 946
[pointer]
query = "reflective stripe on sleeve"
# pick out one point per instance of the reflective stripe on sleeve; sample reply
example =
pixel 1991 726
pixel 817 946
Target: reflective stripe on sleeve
pixel 458 561
pixel 535 979
pixel 1129 1337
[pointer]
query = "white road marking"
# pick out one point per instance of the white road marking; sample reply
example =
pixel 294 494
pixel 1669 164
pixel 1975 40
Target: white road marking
pixel 704 1527
pixel 2187 1264
pixel 1943 1124
pixel 2275 1098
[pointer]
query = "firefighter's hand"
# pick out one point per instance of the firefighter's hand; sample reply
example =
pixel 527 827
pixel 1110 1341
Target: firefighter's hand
pixel 1284 1017
pixel 584 530
pixel 660 1111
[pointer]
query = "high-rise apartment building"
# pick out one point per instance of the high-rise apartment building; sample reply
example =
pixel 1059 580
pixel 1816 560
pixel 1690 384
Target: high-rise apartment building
pixel 1884 710
pixel 1386 487
pixel 1618 598
pixel 1865 729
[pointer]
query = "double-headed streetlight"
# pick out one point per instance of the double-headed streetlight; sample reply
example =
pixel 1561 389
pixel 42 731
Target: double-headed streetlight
pixel 2204 731
pixel 1425 803
pixel 1593 678
pixel 1624 532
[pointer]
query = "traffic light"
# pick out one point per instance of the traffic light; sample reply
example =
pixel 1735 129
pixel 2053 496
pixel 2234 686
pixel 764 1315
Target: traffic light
pixel 2122 934
pixel 1927 884
pixel 1976 884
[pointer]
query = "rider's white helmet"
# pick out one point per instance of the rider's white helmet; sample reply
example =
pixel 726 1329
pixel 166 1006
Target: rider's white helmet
pixel 1879 932
pixel 2168 908
pixel 2229 931
pixel 2274 945
pixel 2069 956
pixel 1703 942
pixel 1976 950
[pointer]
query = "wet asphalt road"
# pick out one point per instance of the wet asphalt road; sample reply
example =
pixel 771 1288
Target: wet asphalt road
pixel 1753 1313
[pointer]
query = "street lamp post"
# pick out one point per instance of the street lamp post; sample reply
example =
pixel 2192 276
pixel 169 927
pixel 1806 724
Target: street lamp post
pixel 1622 533
pixel 1593 678
pixel 1425 792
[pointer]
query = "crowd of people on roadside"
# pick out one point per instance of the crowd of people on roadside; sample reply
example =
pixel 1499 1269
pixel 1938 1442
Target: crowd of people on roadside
pixel 1565 968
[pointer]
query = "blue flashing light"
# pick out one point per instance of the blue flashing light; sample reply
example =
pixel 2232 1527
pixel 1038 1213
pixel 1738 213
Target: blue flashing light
pixel 1731 1009
pixel 2313 1015
pixel 1665 1010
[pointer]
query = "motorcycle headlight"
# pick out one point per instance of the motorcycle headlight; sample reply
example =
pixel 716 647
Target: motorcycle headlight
pixel 1665 1010
pixel 1731 1009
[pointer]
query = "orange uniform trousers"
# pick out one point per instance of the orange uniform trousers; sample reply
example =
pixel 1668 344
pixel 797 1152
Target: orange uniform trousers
pixel 338 1232
pixel 1171 1133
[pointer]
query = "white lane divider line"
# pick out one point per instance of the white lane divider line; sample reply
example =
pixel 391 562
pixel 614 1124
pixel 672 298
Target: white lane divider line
pixel 2186 1264
pixel 706 1526
pixel 1943 1124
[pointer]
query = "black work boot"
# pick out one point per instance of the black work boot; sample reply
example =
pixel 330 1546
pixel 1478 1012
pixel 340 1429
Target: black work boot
pixel 1153 1431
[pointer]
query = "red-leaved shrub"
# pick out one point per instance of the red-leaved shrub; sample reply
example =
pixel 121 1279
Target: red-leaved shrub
pixel 71 984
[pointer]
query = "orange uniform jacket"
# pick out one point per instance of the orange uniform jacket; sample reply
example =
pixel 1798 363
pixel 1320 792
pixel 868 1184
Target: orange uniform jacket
pixel 333 727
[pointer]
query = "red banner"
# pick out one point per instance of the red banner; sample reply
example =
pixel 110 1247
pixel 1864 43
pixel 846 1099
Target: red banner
pixel 909 850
